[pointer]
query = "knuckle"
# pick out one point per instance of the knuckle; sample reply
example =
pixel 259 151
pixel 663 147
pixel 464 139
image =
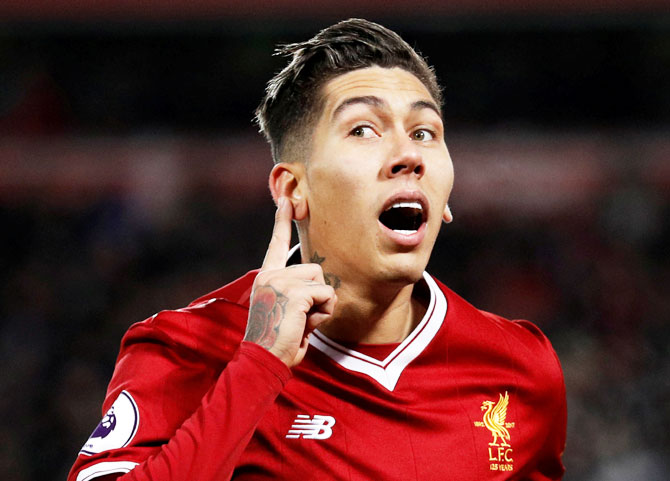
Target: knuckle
pixel 261 278
pixel 314 269
pixel 268 278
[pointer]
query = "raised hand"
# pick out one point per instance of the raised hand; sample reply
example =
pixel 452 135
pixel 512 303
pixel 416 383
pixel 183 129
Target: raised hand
pixel 287 303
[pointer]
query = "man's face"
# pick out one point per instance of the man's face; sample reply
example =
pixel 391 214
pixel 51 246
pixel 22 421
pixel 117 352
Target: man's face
pixel 378 177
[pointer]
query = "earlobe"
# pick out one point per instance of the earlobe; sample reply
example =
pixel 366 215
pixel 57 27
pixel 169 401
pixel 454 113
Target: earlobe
pixel 286 180
pixel 446 215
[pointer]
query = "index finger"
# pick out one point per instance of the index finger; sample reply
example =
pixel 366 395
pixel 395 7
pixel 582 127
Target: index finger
pixel 277 253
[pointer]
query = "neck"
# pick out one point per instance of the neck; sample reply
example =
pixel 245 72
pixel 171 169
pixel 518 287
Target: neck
pixel 376 316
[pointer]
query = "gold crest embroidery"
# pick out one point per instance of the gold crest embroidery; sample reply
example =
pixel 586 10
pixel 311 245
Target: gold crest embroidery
pixel 495 420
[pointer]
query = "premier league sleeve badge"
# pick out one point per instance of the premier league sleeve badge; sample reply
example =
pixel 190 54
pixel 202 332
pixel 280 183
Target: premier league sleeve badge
pixel 116 429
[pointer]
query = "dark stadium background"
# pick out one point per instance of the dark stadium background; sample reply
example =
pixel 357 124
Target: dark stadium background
pixel 132 180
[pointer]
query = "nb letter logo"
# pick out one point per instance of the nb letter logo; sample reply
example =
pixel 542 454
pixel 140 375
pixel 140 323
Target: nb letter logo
pixel 318 427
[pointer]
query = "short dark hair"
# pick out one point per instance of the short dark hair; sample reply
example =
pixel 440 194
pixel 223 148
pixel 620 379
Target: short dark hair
pixel 292 97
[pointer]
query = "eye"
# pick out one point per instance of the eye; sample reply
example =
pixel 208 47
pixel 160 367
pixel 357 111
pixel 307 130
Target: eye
pixel 422 135
pixel 362 131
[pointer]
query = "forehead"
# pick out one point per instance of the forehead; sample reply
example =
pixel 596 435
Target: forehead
pixel 395 85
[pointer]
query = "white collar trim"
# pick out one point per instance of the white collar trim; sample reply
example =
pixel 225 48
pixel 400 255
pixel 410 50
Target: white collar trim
pixel 388 371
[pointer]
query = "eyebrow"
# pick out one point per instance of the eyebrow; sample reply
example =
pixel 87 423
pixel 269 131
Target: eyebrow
pixel 424 104
pixel 370 100
pixel 377 102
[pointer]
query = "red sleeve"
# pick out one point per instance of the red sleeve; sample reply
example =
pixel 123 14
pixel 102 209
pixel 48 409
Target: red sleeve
pixel 549 465
pixel 213 434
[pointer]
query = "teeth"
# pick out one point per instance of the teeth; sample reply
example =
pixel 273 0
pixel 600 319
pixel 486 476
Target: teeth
pixel 411 205
pixel 404 232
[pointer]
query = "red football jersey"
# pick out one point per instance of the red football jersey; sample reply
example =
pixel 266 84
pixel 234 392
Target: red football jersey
pixel 467 396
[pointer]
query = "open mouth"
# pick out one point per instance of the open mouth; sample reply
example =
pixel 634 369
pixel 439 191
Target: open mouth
pixel 403 217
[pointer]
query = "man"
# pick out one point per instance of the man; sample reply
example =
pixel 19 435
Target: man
pixel 350 362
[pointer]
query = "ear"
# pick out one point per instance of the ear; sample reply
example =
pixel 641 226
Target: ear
pixel 287 180
pixel 446 215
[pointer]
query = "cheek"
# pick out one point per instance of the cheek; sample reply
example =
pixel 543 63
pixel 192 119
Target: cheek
pixel 450 183
pixel 340 180
pixel 440 190
pixel 333 195
pixel 447 179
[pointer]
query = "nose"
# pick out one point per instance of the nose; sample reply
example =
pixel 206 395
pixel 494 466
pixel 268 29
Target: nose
pixel 405 159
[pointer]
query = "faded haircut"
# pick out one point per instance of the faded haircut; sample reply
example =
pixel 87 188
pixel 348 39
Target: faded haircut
pixel 293 102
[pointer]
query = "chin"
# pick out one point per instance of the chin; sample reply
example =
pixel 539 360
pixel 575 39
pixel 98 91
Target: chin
pixel 407 270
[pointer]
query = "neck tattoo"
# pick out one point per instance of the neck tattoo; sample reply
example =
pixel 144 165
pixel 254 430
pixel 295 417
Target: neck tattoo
pixel 330 278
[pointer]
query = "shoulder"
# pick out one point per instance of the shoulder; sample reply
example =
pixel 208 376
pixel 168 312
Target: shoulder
pixel 467 316
pixel 518 343
pixel 521 333
pixel 237 292
pixel 211 326
pixel 189 347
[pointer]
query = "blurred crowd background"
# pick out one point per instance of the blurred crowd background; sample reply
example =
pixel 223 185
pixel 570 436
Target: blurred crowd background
pixel 133 180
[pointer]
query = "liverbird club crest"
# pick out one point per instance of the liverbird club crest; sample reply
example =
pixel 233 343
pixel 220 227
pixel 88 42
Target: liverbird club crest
pixel 495 420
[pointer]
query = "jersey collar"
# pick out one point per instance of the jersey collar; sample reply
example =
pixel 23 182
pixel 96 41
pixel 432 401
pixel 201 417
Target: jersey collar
pixel 388 371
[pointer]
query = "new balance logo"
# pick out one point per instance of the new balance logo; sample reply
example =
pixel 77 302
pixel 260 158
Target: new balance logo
pixel 318 427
